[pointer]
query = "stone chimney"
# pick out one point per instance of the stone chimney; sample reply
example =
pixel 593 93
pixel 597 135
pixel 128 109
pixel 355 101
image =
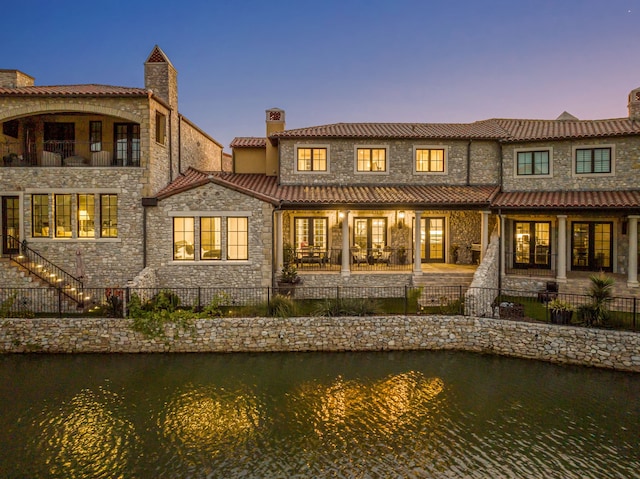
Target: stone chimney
pixel 15 79
pixel 634 104
pixel 275 123
pixel 161 77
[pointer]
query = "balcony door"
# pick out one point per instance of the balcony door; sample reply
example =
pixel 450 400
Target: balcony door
pixel 432 245
pixel 127 144
pixel 591 246
pixel 370 233
pixel 10 223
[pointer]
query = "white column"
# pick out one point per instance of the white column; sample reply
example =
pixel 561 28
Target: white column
pixel 503 266
pixel 561 261
pixel 632 269
pixel 346 256
pixel 278 240
pixel 417 262
pixel 484 239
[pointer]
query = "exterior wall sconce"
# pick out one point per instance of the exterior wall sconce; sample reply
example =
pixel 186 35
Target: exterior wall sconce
pixel 400 219
pixel 339 217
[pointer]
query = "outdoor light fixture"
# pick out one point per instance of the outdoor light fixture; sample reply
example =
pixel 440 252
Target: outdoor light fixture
pixel 400 218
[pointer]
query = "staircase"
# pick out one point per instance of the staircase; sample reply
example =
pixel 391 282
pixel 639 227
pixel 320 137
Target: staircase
pixel 441 286
pixel 579 283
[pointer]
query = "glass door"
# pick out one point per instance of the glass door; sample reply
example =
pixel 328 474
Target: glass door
pixel 10 224
pixel 432 241
pixel 591 246
pixel 532 244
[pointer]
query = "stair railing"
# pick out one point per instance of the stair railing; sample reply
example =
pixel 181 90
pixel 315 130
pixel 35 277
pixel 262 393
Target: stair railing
pixel 41 267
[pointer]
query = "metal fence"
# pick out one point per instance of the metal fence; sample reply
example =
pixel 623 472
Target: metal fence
pixel 515 305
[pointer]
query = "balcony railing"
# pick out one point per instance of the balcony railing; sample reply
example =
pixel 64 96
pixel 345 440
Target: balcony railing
pixel 59 153
pixel 372 259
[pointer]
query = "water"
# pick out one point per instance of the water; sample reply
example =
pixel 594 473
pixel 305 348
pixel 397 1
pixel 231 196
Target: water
pixel 331 415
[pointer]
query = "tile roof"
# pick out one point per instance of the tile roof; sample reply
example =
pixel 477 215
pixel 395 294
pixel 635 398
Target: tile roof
pixel 267 189
pixel 73 90
pixel 530 130
pixel 483 130
pixel 567 199
pixel 508 130
pixel 248 142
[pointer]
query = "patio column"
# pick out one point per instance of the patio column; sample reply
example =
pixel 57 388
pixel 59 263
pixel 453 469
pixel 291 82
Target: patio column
pixel 501 224
pixel 417 262
pixel 345 270
pixel 561 262
pixel 632 269
pixel 484 239
pixel 278 240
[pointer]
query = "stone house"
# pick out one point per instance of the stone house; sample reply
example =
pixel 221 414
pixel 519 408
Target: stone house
pixel 78 162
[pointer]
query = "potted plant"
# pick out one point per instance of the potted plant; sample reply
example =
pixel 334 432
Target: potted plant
pixel 288 279
pixel 601 294
pixel 561 311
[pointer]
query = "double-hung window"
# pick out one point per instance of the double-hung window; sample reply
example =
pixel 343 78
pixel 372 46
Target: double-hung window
pixel 371 159
pixel 183 238
pixel 86 216
pixel 593 160
pixel 40 216
pixel 430 160
pixel 237 238
pixel 95 135
pixel 210 238
pixel 533 162
pixel 109 215
pixel 312 159
pixel 62 214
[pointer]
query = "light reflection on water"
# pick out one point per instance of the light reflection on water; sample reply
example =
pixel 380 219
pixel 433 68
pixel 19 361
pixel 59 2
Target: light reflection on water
pixel 413 414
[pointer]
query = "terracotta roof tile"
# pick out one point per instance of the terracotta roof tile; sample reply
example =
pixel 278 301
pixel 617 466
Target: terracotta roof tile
pixel 266 188
pixel 531 130
pixel 248 142
pixel 567 199
pixel 484 130
pixel 73 90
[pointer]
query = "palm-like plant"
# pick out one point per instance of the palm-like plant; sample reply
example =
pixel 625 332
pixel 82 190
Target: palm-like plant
pixel 601 294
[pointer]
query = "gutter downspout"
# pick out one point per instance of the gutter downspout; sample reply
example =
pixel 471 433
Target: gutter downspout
pixel 170 146
pixel 469 162
pixel 179 144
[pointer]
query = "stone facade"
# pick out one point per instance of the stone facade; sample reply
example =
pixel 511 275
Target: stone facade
pixel 210 200
pixel 559 344
pixel 198 150
pixel 341 169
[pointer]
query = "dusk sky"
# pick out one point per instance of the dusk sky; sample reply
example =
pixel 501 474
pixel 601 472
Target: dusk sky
pixel 337 61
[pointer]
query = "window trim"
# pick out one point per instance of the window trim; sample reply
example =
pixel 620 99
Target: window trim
pixel 445 159
pixel 574 160
pixel 161 128
pixel 517 151
pixel 326 147
pixel 371 147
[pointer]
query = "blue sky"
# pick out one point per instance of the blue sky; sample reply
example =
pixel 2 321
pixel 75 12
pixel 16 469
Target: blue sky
pixel 342 60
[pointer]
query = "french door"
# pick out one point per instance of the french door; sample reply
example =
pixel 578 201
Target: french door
pixel 532 244
pixel 10 223
pixel 432 247
pixel 592 246
pixel 127 144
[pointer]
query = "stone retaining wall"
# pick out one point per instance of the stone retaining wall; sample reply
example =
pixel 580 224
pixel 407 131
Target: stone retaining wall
pixel 559 344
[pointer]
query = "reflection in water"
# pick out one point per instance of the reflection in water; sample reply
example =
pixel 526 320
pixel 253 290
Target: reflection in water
pixel 365 415
pixel 210 419
pixel 85 438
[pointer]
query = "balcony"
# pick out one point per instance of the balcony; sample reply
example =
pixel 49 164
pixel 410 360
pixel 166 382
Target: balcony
pixel 372 259
pixel 66 153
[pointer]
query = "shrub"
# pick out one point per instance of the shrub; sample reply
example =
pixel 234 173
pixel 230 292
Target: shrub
pixel 282 306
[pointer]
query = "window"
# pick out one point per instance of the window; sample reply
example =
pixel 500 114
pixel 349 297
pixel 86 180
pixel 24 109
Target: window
pixel 311 232
pixel 370 233
pixel 40 216
pixel 161 128
pixel 95 135
pixel 430 160
pixel 109 215
pixel 533 162
pixel 593 160
pixel 372 159
pixel 183 238
pixel 62 216
pixel 210 238
pixel 127 144
pixel 237 238
pixel 532 244
pixel 312 159
pixel 86 216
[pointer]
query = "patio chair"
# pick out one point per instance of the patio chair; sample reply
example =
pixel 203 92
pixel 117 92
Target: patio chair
pixel 359 256
pixel 385 257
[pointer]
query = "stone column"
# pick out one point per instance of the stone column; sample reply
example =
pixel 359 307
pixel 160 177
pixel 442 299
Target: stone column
pixel 417 263
pixel 632 269
pixel 346 256
pixel 278 241
pixel 484 238
pixel 502 248
pixel 561 262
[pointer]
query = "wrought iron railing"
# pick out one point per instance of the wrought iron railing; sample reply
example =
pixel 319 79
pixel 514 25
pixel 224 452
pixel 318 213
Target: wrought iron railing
pixel 360 259
pixel 534 265
pixel 60 153
pixel 39 266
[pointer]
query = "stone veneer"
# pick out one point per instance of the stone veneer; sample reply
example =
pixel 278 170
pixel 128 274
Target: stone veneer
pixel 559 344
